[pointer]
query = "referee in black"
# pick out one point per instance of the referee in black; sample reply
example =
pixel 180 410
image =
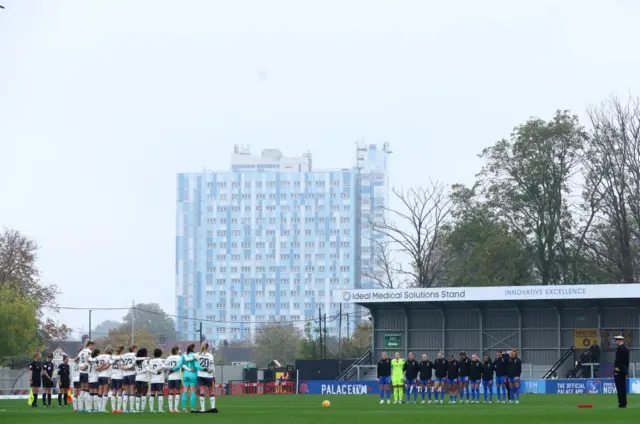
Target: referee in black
pixel 64 381
pixel 47 380
pixel 621 370
pixel 35 377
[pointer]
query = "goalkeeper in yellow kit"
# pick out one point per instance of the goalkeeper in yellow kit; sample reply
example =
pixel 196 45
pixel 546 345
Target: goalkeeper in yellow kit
pixel 397 378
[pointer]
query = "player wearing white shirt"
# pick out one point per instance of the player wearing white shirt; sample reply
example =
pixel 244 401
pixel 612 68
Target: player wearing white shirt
pixel 75 373
pixel 206 376
pixel 127 365
pixel 83 361
pixel 116 380
pixel 93 380
pixel 175 379
pixel 142 379
pixel 103 365
pixel 156 369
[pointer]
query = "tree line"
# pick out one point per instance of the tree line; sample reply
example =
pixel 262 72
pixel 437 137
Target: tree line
pixel 285 343
pixel 23 300
pixel 557 202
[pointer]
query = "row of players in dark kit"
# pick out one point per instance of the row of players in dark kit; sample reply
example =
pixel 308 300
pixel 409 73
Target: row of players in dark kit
pixel 457 377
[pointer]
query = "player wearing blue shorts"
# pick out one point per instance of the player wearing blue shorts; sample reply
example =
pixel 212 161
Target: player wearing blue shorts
pixel 189 364
pixel 487 379
pixel 411 369
pixel 475 375
pixel 453 368
pixel 514 370
pixel 464 367
pixel 440 380
pixel 500 367
pixel 384 377
pixel 426 376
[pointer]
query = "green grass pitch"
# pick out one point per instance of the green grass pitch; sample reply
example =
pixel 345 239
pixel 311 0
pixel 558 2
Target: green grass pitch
pixel 306 409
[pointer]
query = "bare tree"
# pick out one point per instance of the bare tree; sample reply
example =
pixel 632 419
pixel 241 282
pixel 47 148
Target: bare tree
pixel 417 229
pixel 613 156
pixel 383 272
pixel 18 256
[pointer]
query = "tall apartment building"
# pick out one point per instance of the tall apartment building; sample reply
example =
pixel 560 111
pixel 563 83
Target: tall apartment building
pixel 270 239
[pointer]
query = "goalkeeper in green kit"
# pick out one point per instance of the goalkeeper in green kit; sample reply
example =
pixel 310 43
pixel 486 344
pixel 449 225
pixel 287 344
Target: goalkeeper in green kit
pixel 397 378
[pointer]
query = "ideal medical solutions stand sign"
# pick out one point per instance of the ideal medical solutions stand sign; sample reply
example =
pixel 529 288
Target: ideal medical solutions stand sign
pixel 479 294
pixel 540 387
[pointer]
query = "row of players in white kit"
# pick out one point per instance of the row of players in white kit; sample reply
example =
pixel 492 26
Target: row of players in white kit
pixel 125 379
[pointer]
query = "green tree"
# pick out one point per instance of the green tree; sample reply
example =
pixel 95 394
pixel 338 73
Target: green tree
pixel 19 323
pixel 308 345
pixel 151 318
pixel 122 336
pixel 18 256
pixel 527 183
pixel 481 249
pixel 276 342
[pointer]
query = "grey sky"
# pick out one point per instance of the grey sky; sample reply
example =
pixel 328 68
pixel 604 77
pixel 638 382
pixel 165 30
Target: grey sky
pixel 103 102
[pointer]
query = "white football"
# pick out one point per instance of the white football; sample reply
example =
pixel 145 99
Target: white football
pixel 83 367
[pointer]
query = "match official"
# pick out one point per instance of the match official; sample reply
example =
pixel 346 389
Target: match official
pixel 621 370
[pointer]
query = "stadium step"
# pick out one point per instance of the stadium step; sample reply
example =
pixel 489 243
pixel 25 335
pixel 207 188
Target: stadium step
pixel 565 356
pixel 352 370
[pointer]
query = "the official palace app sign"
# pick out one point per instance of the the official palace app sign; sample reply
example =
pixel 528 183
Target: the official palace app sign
pixel 470 294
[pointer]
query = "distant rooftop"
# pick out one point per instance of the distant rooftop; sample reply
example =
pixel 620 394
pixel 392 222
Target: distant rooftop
pixel 271 160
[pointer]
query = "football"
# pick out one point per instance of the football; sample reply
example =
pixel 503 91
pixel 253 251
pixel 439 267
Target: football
pixel 326 404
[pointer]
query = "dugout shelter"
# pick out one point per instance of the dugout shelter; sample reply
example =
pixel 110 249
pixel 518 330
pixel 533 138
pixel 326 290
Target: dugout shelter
pixel 550 326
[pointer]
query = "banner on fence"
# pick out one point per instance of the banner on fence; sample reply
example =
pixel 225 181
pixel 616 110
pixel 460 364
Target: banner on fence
pixel 580 387
pixel 575 386
pixel 333 387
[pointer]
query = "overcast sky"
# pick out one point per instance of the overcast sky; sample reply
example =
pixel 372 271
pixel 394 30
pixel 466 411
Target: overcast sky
pixel 102 102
